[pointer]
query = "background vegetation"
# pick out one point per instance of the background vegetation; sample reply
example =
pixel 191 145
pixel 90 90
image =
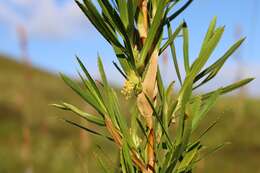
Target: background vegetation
pixel 33 137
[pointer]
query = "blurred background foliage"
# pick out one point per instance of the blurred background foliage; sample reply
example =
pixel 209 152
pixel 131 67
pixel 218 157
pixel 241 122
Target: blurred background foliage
pixel 34 138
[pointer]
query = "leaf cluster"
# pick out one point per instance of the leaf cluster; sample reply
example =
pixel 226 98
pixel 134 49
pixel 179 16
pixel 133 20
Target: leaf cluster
pixel 176 116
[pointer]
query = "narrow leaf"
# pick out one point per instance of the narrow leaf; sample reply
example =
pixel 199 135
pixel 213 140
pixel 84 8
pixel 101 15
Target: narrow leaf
pixel 171 37
pixel 174 55
pixel 204 110
pixel 186 48
pixel 229 88
pixel 215 67
pixel 84 94
pixel 88 130
pixel 155 27
pixel 179 11
pixel 89 117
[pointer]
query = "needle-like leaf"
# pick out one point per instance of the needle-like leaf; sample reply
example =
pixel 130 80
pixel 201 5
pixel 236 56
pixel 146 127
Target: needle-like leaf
pixel 89 117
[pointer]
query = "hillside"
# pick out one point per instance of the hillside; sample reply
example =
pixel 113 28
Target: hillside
pixel 26 93
pixel 53 146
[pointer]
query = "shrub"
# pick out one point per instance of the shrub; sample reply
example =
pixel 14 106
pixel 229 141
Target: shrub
pixel 158 138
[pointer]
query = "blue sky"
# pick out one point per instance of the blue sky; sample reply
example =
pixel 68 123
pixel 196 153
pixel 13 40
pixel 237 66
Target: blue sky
pixel 57 30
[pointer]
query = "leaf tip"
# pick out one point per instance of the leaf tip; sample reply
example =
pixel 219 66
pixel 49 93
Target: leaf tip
pixel 184 25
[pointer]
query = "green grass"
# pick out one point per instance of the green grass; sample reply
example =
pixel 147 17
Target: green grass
pixel 56 146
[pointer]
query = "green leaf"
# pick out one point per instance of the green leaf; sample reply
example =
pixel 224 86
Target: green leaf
pixel 184 127
pixel 119 117
pixel 187 160
pixel 127 159
pixel 186 48
pixel 236 85
pixel 174 55
pixel 134 127
pixel 169 160
pixel 198 64
pixel 89 117
pixel 208 129
pixel 160 122
pixel 172 109
pixel 104 166
pixel 92 91
pixel 213 150
pixel 92 82
pixel 96 19
pixel 205 109
pixel 169 91
pixel 206 51
pixel 102 72
pixel 167 102
pixel 155 27
pixel 88 130
pixel 215 67
pixel 172 5
pixel 110 104
pixel 165 117
pixel 131 7
pixel 123 10
pixel 160 84
pixel 113 105
pixel 229 88
pixel 83 94
pixel 142 128
pixel 122 58
pixel 119 70
pixel 117 23
pixel 172 159
pixel 179 11
pixel 195 107
pixel 122 162
pixel 210 31
pixel 171 37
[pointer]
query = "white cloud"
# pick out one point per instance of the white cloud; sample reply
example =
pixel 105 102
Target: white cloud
pixel 43 18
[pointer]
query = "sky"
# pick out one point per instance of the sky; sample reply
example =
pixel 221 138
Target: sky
pixel 57 31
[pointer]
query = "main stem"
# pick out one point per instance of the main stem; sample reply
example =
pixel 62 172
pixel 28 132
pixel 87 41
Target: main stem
pixel 149 90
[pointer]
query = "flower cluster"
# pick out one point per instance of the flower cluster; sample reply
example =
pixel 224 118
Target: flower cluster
pixel 131 86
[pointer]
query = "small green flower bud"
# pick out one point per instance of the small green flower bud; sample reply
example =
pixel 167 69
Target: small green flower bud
pixel 132 86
